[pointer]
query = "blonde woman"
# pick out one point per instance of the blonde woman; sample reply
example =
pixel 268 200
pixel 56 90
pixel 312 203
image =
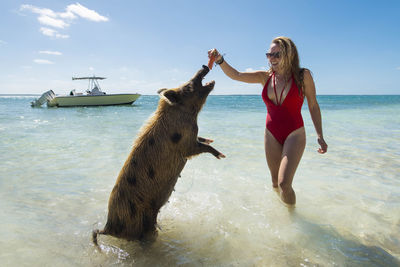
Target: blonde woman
pixel 285 85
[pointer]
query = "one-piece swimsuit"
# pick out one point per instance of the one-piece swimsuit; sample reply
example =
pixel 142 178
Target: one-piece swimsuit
pixel 285 117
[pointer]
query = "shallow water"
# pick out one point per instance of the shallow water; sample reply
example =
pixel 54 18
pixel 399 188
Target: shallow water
pixel 58 167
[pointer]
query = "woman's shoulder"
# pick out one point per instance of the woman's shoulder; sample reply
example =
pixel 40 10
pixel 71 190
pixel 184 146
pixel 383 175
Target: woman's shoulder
pixel 305 71
pixel 268 72
pixel 265 75
pixel 306 74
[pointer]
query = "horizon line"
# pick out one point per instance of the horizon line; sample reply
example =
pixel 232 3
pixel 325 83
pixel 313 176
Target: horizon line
pixel 30 94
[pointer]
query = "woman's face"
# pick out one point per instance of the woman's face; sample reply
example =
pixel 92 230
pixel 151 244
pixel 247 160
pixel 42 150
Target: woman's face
pixel 274 56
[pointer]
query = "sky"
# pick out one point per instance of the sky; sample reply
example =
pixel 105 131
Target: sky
pixel 351 47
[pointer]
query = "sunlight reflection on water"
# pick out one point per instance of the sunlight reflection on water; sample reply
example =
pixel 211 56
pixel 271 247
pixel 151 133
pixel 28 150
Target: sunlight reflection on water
pixel 59 166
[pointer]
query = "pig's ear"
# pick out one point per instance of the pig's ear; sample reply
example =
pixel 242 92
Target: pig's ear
pixel 161 90
pixel 171 96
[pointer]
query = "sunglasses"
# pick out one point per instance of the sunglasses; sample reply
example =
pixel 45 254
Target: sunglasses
pixel 275 55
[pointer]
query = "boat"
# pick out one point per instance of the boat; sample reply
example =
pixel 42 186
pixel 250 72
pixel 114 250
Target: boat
pixel 94 97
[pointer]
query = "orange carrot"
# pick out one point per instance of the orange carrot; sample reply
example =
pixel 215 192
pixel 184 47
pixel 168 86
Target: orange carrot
pixel 211 62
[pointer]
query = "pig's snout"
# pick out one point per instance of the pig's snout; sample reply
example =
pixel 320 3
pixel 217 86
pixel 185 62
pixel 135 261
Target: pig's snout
pixel 206 69
pixel 201 73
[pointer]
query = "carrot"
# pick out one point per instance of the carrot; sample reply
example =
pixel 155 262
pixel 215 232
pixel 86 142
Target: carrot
pixel 211 62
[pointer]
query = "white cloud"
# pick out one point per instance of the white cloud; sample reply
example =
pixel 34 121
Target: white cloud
pixel 55 53
pixel 40 11
pixel 67 15
pixel 43 61
pixel 61 20
pixel 52 33
pixel 253 70
pixel 398 68
pixel 2 42
pixel 49 21
pixel 85 12
pixel 47 31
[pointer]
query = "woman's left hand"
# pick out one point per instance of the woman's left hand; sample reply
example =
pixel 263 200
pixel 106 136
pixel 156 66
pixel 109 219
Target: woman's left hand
pixel 324 147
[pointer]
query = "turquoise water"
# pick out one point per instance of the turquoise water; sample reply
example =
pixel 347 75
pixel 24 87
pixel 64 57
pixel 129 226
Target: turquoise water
pixel 58 166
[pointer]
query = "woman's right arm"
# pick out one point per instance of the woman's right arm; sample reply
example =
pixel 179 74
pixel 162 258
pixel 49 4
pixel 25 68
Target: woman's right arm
pixel 247 77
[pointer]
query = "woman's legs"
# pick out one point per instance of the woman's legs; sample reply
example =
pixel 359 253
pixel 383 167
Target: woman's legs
pixel 273 153
pixel 283 161
pixel 292 152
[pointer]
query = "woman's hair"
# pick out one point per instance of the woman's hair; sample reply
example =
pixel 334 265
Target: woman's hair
pixel 290 61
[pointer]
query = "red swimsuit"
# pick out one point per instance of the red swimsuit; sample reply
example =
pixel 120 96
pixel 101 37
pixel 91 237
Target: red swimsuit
pixel 285 117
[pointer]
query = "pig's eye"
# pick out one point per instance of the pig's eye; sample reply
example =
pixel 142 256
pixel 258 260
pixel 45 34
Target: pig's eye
pixel 188 88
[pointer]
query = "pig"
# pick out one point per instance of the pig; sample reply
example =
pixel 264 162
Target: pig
pixel 158 156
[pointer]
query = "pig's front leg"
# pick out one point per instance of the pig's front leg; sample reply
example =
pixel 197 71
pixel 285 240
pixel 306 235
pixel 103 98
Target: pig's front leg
pixel 199 147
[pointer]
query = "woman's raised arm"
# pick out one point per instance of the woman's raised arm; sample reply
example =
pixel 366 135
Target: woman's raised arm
pixel 247 77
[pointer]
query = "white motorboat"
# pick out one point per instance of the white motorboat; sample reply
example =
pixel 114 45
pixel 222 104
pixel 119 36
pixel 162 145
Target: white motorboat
pixel 93 97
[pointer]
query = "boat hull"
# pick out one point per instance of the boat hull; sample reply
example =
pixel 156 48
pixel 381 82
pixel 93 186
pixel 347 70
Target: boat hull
pixel 93 100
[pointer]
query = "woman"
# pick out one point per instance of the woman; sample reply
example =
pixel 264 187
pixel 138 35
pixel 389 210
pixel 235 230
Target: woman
pixel 285 85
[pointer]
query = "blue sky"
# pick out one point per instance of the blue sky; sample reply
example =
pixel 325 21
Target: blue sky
pixel 352 47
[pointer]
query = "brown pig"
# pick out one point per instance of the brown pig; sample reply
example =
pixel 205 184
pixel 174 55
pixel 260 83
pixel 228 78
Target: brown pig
pixel 158 156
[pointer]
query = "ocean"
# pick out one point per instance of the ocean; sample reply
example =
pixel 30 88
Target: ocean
pixel 59 165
